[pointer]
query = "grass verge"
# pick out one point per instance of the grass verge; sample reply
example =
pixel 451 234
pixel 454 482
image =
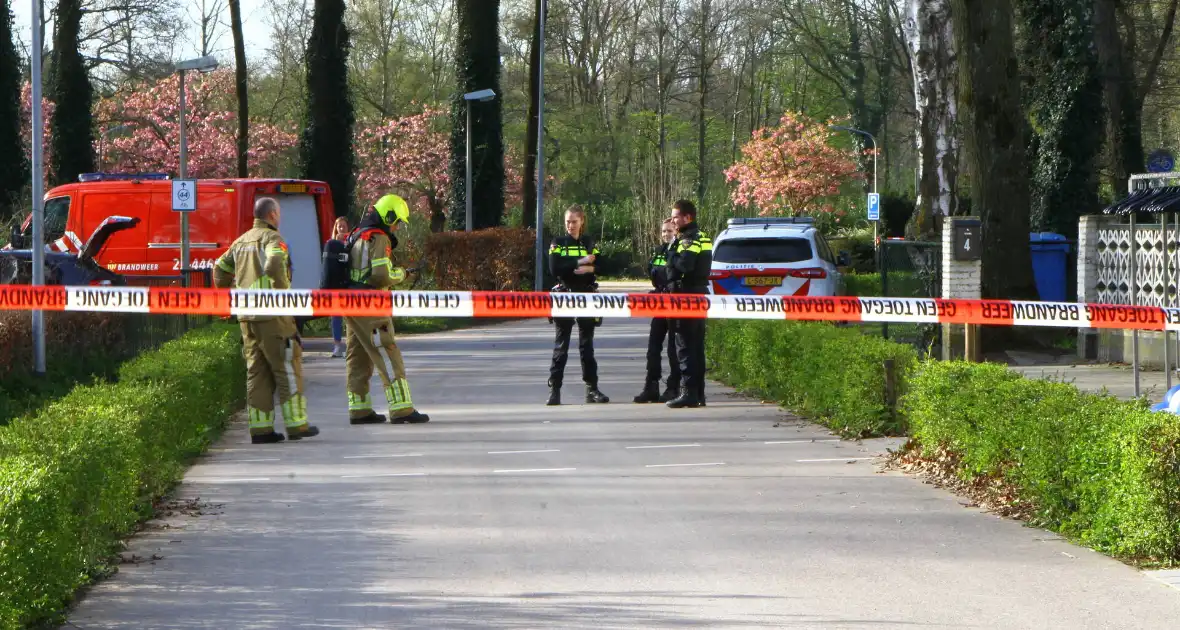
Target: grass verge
pixel 79 473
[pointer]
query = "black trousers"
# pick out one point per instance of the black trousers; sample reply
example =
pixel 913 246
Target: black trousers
pixel 690 350
pixel 659 333
pixel 561 350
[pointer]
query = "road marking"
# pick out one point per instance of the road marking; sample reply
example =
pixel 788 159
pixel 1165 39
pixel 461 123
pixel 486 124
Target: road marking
pixel 381 456
pixel 676 465
pixel 548 450
pixel 835 459
pixel 801 441
pixel 242 461
pixel 415 474
pixel 667 446
pixel 227 479
pixel 523 470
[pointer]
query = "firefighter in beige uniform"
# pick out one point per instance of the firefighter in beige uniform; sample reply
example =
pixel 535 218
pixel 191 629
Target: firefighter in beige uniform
pixel 258 259
pixel 370 339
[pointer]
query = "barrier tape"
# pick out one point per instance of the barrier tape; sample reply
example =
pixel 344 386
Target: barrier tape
pixel 322 303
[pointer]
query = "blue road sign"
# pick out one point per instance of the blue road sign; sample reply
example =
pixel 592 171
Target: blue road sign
pixel 874 207
pixel 1160 161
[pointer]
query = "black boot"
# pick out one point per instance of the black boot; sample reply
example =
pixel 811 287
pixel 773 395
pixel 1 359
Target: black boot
pixel 305 432
pixel 670 393
pixel 687 398
pixel 267 438
pixel 372 418
pixel 594 396
pixel 554 396
pixel 414 418
pixel 650 393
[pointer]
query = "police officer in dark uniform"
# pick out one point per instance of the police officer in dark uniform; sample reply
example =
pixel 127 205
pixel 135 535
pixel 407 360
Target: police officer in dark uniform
pixel 660 330
pixel 571 260
pixel 690 258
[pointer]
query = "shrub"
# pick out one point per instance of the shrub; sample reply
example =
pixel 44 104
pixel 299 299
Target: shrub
pixel 832 374
pixel 79 473
pixel 1103 471
pixel 901 284
pixel 79 346
pixel 493 259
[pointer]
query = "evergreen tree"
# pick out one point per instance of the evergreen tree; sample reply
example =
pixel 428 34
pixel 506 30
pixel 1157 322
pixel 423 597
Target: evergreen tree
pixel 14 164
pixel 326 150
pixel 477 59
pixel 73 135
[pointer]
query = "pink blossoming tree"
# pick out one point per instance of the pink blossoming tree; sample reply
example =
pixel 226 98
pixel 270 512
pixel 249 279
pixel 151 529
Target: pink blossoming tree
pixel 791 169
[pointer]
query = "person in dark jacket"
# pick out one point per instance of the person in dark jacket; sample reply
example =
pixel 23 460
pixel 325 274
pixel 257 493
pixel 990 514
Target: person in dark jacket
pixel 571 261
pixel 690 258
pixel 660 331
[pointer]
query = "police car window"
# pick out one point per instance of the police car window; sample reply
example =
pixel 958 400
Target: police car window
pixel 56 212
pixel 825 250
pixel 762 250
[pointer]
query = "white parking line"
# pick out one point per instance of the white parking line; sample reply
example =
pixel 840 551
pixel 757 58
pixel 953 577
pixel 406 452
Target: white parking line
pixel 381 456
pixel 835 459
pixel 547 450
pixel 801 441
pixel 524 470
pixel 226 479
pixel 677 465
pixel 666 446
pixel 415 474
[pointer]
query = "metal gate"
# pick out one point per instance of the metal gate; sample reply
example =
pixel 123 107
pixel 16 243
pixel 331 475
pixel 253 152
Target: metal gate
pixel 911 269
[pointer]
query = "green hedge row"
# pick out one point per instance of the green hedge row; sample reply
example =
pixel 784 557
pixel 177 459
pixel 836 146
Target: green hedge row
pixel 835 375
pixel 1102 471
pixel 901 284
pixel 76 475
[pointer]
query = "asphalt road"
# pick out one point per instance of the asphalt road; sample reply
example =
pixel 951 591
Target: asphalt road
pixel 504 513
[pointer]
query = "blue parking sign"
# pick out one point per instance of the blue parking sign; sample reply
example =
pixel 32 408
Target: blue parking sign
pixel 874 207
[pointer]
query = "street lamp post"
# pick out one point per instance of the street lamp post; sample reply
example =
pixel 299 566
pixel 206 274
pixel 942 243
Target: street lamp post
pixel 207 63
pixel 874 141
pixel 540 253
pixel 38 246
pixel 481 96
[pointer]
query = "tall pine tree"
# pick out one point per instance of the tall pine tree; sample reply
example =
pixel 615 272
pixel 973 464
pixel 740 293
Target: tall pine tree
pixel 477 59
pixel 14 164
pixel 73 135
pixel 326 150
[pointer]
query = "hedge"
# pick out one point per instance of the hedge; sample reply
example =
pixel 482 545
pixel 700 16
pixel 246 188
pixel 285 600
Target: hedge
pixel 1102 471
pixel 80 348
pixel 1099 470
pixel 493 259
pixel 835 375
pixel 77 475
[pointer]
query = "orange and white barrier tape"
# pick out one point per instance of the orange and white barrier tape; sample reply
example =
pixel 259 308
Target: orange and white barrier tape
pixel 321 303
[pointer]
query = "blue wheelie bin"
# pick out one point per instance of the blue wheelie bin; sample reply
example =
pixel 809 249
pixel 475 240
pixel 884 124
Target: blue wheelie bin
pixel 1050 255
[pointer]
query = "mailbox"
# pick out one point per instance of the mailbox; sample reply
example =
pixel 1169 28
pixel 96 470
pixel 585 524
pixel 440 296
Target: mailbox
pixel 967 239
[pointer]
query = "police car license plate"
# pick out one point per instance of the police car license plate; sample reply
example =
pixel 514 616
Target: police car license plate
pixel 763 281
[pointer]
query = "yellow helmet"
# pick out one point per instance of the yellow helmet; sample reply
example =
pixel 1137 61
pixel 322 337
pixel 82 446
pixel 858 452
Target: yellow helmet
pixel 392 205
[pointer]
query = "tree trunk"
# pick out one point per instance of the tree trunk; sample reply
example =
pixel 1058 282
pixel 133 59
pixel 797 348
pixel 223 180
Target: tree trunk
pixel 14 161
pixel 438 215
pixel 1067 112
pixel 73 136
pixel 934 59
pixel 326 150
pixel 703 74
pixel 995 142
pixel 477 59
pixel 235 16
pixel 529 211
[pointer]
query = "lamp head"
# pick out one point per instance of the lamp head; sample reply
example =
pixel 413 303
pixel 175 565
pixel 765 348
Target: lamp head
pixel 481 95
pixel 201 64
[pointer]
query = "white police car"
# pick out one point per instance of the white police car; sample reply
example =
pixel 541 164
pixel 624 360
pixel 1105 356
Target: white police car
pixel 774 256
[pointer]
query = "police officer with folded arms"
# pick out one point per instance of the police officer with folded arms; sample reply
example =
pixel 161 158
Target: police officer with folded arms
pixel 571 260
pixel 690 258
pixel 660 334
